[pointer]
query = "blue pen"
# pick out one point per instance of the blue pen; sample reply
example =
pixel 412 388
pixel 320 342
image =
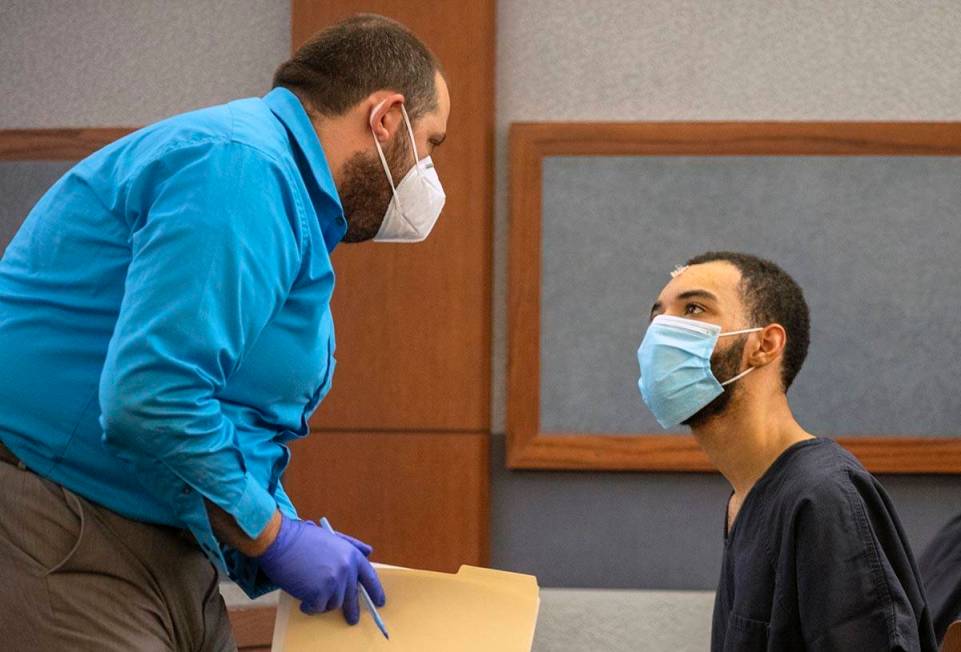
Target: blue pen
pixel 324 523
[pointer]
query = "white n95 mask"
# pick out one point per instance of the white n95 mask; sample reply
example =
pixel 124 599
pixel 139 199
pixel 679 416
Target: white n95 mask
pixel 418 198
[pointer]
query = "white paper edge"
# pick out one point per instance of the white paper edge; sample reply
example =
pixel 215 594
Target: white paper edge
pixel 280 622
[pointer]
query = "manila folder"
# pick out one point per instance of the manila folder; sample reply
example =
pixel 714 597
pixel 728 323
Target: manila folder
pixel 476 610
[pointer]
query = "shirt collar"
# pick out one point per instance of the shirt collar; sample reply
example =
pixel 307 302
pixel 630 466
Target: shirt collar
pixel 288 109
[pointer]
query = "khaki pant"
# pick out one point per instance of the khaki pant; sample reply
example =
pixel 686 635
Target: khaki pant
pixel 77 576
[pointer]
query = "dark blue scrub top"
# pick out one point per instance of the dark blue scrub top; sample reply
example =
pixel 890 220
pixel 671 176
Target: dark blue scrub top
pixel 817 560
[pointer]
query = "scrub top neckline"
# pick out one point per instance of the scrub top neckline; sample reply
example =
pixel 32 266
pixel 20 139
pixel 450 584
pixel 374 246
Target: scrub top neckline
pixel 766 478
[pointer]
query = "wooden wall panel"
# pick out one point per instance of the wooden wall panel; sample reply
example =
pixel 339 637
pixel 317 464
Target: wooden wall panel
pixel 421 499
pixel 413 321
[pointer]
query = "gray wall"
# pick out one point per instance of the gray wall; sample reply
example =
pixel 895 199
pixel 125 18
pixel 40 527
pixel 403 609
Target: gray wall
pixel 692 60
pixel 21 185
pixel 115 62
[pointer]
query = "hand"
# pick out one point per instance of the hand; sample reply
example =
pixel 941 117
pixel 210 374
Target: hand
pixel 321 569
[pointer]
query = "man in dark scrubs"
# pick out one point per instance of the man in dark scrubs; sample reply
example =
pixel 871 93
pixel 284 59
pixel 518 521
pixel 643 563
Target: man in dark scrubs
pixel 814 554
pixel 940 566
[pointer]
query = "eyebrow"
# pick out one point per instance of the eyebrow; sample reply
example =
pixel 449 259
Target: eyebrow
pixel 697 294
pixel 690 294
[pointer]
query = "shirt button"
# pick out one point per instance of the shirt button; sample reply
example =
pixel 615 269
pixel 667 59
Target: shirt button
pixel 185 491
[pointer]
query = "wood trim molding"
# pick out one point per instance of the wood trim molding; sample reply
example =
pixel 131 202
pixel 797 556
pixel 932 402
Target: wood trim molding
pixel 56 144
pixel 527 446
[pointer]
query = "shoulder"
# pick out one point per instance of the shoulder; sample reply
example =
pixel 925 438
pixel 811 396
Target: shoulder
pixel 240 128
pixel 831 496
pixel 254 125
pixel 821 479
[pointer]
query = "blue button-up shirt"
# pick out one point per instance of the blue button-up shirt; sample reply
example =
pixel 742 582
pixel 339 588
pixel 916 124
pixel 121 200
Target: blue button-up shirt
pixel 165 323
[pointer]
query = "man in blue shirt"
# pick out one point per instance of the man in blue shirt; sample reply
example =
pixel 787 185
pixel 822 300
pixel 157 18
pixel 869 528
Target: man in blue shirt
pixel 165 331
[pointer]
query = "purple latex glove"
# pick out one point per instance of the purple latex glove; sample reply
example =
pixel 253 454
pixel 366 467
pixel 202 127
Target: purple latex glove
pixel 321 569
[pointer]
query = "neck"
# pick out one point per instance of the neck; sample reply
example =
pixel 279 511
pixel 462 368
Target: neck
pixel 745 440
pixel 339 143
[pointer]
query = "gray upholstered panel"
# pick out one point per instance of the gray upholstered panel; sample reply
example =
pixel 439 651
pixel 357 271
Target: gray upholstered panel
pixel 22 183
pixel 577 620
pixel 873 241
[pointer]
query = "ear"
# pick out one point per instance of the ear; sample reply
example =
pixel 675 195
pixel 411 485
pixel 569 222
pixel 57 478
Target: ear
pixel 770 345
pixel 383 111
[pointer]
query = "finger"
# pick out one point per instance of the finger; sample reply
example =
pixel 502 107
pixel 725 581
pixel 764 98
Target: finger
pixel 336 600
pixel 365 549
pixel 310 607
pixel 351 605
pixel 368 577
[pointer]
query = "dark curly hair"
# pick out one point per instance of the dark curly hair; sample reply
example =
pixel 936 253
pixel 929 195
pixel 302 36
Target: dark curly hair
pixel 771 296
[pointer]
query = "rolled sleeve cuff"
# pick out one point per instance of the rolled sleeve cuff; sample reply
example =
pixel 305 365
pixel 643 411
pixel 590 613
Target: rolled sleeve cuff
pixel 254 508
pixel 252 511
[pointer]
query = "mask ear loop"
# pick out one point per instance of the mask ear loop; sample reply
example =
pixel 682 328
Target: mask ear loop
pixel 739 376
pixel 410 133
pixel 741 332
pixel 749 369
pixel 380 151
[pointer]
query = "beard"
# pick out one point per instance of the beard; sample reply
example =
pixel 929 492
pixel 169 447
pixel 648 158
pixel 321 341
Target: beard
pixel 366 192
pixel 724 364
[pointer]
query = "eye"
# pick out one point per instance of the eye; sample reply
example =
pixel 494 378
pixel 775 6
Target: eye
pixel 693 309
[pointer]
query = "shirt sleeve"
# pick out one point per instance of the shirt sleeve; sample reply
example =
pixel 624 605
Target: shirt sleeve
pixel 284 503
pixel 215 247
pixel 940 567
pixel 858 586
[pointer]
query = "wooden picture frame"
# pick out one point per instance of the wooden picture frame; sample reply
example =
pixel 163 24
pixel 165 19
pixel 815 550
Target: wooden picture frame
pixel 530 448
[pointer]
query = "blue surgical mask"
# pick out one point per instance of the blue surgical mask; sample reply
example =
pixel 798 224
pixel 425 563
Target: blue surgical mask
pixel 675 359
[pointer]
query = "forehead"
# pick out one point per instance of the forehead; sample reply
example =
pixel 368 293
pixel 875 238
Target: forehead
pixel 720 278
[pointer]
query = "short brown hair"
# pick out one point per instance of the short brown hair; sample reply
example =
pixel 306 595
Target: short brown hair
pixel 345 62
